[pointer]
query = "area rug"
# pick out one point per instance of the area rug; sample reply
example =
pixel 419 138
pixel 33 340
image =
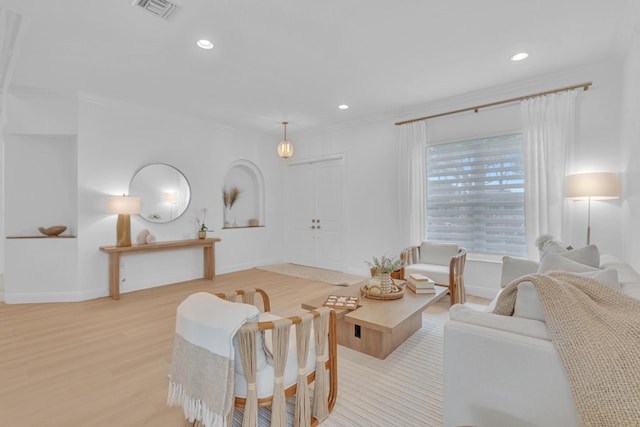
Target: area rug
pixel 318 274
pixel 404 390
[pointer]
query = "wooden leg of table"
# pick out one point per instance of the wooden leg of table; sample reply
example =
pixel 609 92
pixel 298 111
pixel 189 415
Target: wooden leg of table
pixel 114 275
pixel 209 262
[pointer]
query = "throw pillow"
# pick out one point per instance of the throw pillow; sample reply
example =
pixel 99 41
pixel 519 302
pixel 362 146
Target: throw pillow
pixel 513 268
pixel 557 262
pixel 552 247
pixel 528 303
pixel 608 277
pixel 589 255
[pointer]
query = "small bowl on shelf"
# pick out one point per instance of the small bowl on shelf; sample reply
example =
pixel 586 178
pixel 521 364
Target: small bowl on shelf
pixel 52 231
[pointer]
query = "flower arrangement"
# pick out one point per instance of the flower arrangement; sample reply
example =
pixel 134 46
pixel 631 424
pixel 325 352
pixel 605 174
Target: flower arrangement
pixel 230 196
pixel 201 224
pixel 385 264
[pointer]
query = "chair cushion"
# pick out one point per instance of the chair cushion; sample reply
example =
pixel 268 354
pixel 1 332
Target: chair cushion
pixel 261 356
pixel 437 253
pixel 437 273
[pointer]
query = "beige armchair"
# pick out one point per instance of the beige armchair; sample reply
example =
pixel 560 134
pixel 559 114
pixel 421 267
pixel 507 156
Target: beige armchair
pixel 274 360
pixel 442 262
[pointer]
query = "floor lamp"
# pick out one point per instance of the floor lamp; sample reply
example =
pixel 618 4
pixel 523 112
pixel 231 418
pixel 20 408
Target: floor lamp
pixel 124 206
pixel 592 186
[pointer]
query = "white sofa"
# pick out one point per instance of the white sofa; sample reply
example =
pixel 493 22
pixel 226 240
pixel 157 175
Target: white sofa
pixel 505 371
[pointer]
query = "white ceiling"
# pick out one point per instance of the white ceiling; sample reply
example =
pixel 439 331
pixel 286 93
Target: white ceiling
pixel 296 60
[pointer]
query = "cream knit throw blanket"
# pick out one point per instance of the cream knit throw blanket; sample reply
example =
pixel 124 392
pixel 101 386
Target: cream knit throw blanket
pixel 202 370
pixel 596 331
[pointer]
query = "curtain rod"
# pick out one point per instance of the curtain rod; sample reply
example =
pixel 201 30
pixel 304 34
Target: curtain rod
pixel 475 109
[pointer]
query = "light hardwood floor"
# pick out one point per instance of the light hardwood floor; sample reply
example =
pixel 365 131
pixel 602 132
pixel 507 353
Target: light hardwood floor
pixel 104 362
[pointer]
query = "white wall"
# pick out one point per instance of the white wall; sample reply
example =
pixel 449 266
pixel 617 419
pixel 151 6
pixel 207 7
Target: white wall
pixel 372 174
pixel 631 152
pixel 114 140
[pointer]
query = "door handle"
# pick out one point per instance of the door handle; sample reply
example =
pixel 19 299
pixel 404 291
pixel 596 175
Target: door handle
pixel 313 227
pixel 318 227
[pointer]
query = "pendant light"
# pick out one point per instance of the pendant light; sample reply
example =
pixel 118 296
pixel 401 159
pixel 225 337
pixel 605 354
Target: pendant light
pixel 285 148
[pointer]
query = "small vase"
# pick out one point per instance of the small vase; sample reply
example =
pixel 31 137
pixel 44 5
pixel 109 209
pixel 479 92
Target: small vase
pixel 386 283
pixel 227 213
pixel 202 234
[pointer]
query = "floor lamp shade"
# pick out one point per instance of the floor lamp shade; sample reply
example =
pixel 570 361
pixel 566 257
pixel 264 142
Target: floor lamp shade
pixel 124 206
pixel 592 186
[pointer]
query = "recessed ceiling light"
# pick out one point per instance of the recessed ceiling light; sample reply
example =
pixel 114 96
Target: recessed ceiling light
pixel 204 44
pixel 343 106
pixel 519 56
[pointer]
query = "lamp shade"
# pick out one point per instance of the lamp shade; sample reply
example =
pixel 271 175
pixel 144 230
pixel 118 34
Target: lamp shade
pixel 170 196
pixel 123 204
pixel 285 149
pixel 594 186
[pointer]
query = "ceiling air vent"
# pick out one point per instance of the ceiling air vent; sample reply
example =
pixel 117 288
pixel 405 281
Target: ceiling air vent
pixel 160 8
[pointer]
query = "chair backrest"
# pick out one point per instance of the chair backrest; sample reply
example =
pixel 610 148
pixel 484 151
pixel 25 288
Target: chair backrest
pixel 437 253
pixel 325 375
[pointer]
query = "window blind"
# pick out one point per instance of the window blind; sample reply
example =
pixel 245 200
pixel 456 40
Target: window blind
pixel 475 194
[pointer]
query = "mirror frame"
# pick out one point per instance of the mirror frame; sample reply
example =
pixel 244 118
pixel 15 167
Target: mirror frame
pixel 144 214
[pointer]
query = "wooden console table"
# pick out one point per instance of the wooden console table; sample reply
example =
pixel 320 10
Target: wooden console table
pixel 208 245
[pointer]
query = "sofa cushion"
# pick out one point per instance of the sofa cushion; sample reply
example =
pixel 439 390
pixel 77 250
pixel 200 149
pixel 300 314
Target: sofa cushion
pixel 437 273
pixel 522 326
pixel 558 262
pixel 513 267
pixel 437 253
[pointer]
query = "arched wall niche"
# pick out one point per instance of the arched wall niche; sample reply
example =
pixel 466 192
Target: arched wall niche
pixel 248 209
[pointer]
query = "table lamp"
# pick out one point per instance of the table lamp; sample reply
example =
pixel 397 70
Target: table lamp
pixel 592 186
pixel 124 206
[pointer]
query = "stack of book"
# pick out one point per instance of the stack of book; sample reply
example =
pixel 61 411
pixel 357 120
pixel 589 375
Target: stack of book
pixel 421 284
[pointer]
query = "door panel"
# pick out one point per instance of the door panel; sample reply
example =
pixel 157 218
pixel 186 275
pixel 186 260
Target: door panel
pixel 315 213
pixel 300 205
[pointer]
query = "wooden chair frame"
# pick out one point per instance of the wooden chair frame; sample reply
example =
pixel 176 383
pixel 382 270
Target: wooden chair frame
pixel 457 294
pixel 331 363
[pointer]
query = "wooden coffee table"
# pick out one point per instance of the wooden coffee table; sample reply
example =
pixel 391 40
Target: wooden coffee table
pixel 378 327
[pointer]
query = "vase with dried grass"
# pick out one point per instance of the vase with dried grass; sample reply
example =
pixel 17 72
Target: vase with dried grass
pixel 229 198
pixel 383 268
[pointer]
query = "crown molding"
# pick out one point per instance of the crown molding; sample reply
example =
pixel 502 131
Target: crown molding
pixel 202 121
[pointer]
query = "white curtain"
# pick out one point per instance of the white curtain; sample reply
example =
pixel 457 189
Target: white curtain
pixel 9 29
pixel 412 206
pixel 549 130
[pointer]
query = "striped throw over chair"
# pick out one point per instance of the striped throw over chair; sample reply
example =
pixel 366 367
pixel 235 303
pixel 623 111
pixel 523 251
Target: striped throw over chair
pixel 259 360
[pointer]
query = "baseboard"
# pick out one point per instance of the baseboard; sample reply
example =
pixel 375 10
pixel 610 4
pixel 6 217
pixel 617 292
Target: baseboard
pixel 43 297
pixel 247 265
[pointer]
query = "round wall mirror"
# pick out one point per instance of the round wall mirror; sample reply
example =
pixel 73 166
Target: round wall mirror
pixel 164 191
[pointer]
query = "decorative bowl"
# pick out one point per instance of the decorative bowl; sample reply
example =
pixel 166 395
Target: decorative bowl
pixel 53 230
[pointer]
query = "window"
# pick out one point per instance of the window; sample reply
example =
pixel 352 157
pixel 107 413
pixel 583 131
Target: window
pixel 475 194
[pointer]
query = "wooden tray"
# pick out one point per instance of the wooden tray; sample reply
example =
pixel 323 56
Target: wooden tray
pixel 341 302
pixel 399 293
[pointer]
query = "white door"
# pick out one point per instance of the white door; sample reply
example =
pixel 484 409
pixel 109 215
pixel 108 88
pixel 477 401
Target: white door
pixel 314 220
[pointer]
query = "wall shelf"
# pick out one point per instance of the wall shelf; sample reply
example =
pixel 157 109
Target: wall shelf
pixel 42 237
